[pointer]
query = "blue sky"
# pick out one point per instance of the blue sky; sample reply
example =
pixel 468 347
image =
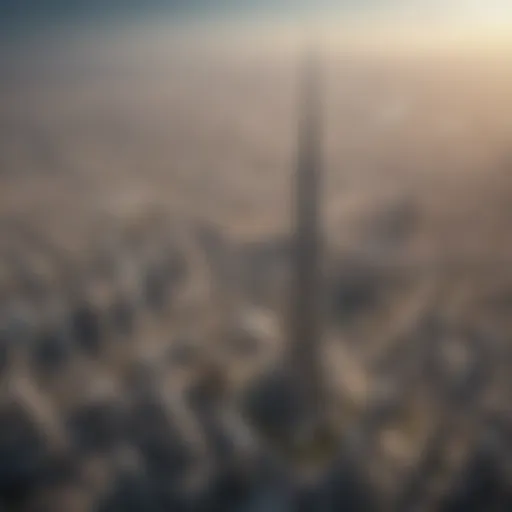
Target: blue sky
pixel 21 16
pixel 24 15
pixel 20 10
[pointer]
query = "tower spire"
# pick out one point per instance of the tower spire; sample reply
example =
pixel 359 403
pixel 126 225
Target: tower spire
pixel 289 404
pixel 305 329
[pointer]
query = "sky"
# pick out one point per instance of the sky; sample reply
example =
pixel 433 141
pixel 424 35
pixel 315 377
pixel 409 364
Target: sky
pixel 24 17
pixel 29 12
pixel 25 11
